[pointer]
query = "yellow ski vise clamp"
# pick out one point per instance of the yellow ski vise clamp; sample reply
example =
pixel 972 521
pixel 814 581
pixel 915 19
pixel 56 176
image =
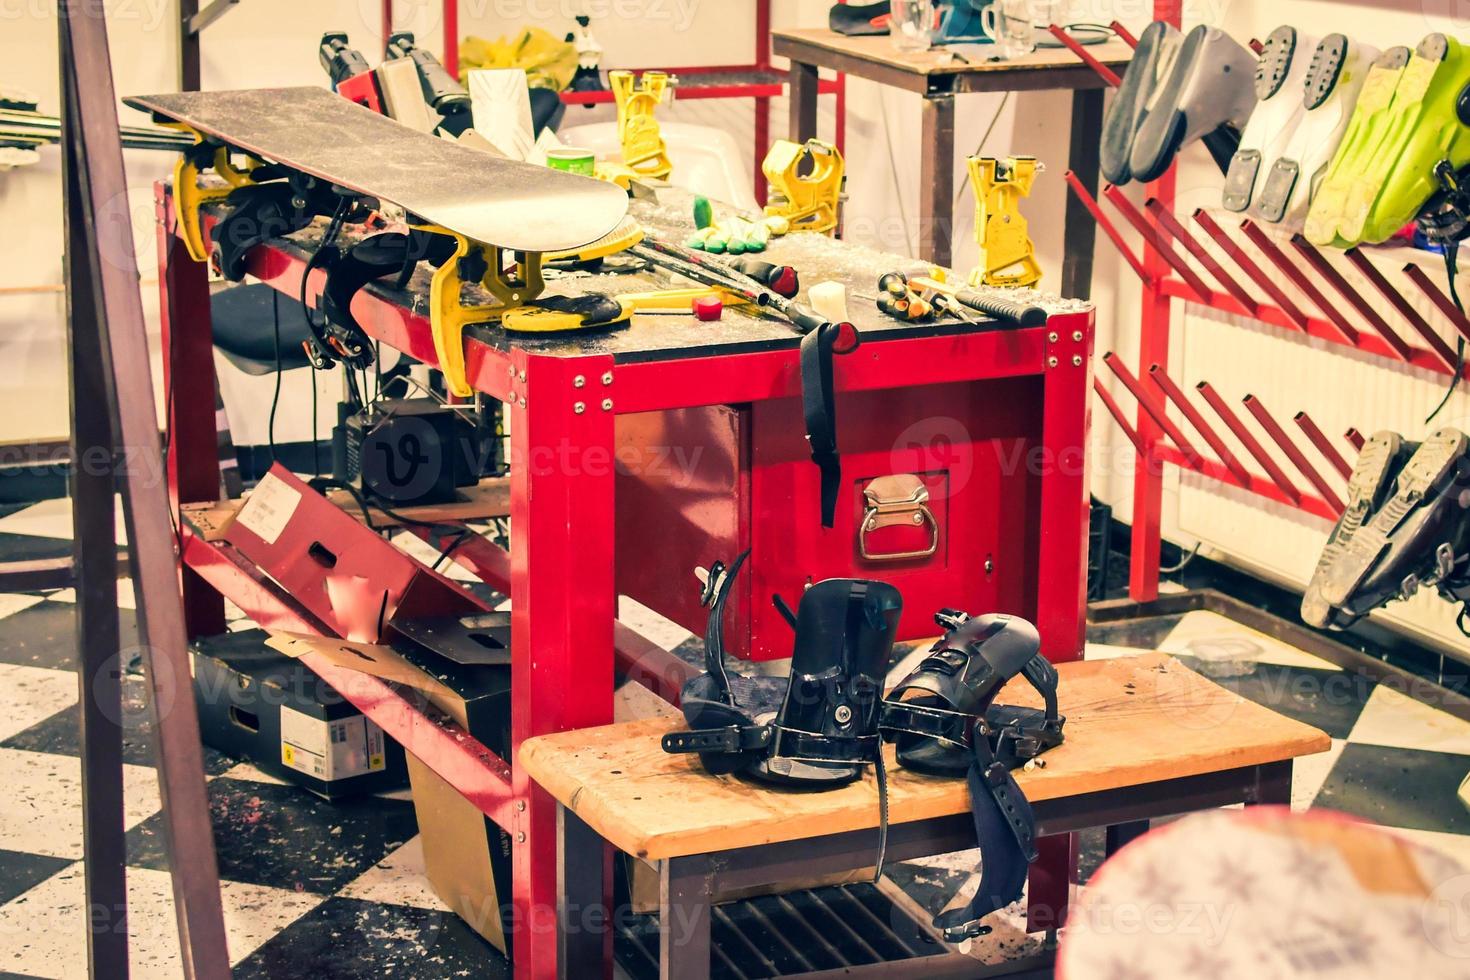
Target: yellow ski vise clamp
pixel 189 196
pixel 1007 257
pixel 644 151
pixel 809 200
pixel 448 316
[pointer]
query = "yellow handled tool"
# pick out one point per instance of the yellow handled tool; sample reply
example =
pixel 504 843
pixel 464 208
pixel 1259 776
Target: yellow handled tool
pixel 555 314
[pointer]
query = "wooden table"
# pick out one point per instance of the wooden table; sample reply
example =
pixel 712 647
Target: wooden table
pixel 938 77
pixel 1146 738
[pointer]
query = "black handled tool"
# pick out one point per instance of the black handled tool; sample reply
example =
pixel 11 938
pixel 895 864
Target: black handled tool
pixel 339 59
pixel 1021 314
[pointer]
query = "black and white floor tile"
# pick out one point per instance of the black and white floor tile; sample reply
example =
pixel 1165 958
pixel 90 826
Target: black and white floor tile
pixel 337 890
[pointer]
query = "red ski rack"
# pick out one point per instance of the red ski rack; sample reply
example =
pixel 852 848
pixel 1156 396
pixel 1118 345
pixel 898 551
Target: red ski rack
pixel 1155 395
pixel 1242 268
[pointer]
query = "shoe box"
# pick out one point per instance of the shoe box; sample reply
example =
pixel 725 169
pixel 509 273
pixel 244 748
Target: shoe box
pixel 467 857
pixel 259 705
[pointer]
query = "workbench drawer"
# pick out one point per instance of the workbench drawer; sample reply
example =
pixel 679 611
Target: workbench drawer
pixel 696 485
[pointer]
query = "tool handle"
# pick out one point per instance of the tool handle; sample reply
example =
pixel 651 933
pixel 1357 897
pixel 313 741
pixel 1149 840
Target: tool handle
pixel 1022 315
pixel 340 61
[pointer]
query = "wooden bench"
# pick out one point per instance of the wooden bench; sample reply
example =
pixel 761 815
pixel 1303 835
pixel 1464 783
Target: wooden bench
pixel 1146 738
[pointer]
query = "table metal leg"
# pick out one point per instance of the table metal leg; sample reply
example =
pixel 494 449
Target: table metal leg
pixel 1079 230
pixel 685 911
pixel 562 605
pixel 584 919
pixel 1120 834
pixel 1273 785
pixel 936 180
pixel 803 124
pixel 188 377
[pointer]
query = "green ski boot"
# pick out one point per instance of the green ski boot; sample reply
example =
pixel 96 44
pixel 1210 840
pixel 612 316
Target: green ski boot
pixel 1432 123
pixel 1371 117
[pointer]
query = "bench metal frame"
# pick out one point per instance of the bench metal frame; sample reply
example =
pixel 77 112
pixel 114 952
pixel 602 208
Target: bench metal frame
pixel 687 883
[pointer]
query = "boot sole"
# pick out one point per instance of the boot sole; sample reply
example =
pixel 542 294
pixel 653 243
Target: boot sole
pixel 1324 74
pixel 1156 45
pixel 1329 207
pixel 1209 77
pixel 1275 100
pixel 1364 490
pixel 1438 132
pixel 1431 463
pixel 1150 158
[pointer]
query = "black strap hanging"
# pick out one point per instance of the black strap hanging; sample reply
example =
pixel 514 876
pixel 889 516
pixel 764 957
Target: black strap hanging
pixel 820 410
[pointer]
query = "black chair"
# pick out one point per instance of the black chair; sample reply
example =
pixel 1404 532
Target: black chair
pixel 245 320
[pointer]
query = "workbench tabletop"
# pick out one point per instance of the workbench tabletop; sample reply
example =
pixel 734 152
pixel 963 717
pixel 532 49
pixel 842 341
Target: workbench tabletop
pixel 828 48
pixel 1130 721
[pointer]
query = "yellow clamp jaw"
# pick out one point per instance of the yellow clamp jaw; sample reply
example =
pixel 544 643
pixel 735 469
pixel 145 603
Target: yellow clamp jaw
pixel 810 201
pixel 448 316
pixel 644 151
pixel 1007 257
pixel 189 196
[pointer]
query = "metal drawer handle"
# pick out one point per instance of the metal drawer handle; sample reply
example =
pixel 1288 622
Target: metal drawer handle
pixel 901 499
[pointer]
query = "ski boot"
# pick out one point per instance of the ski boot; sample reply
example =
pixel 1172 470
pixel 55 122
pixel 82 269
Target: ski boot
pixel 1281 74
pixel 1334 79
pixel 1428 495
pixel 1379 460
pixel 1372 114
pixel 1209 86
pixel 1432 124
pixel 1157 45
pixel 944 722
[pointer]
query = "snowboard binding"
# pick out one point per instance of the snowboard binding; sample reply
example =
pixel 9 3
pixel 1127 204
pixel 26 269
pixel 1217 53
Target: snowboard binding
pixel 390 253
pixel 825 730
pixel 943 721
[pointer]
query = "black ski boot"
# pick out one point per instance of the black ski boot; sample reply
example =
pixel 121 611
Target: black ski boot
pixel 1381 457
pixel 1397 549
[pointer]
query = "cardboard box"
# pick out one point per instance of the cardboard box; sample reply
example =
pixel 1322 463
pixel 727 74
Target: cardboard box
pixel 258 704
pixel 467 857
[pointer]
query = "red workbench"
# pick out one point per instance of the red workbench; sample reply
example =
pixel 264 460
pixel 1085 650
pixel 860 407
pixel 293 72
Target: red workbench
pixel 564 395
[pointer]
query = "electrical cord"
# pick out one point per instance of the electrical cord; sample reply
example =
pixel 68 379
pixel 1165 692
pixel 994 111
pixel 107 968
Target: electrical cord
pixel 444 556
pixel 903 217
pixel 270 432
pixel 1451 268
pixel 366 500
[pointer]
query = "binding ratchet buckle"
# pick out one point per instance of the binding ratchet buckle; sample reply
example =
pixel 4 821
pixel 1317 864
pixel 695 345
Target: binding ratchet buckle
pixel 1446 217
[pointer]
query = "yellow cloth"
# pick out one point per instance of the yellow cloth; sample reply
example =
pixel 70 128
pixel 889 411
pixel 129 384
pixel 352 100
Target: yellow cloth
pixel 548 62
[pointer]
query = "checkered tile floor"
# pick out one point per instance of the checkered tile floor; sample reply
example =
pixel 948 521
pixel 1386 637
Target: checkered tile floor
pixel 336 890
